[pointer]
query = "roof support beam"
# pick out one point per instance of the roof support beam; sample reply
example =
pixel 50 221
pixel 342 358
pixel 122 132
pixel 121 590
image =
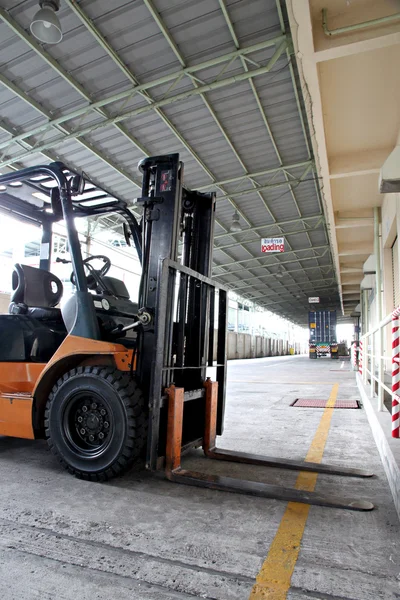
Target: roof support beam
pixel 236 274
pixel 354 46
pixel 323 269
pixel 357 250
pixel 20 94
pixel 255 93
pixel 46 113
pixel 302 284
pixel 179 56
pixel 358 164
pixel 259 104
pixel 351 223
pixel 355 289
pixel 291 183
pixel 352 281
pixel 304 163
pixel 290 51
pixel 36 47
pixel 134 89
pixel 304 46
pixel 269 266
pixel 345 270
pixel 296 302
pixel 285 234
pixel 311 249
pixel 262 112
pixel 280 48
pixel 75 7
pixel 132 78
pixel 26 145
pixel 218 84
pixel 274 224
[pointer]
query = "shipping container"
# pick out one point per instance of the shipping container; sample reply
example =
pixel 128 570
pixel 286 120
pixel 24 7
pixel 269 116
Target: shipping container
pixel 322 328
pixel 322 325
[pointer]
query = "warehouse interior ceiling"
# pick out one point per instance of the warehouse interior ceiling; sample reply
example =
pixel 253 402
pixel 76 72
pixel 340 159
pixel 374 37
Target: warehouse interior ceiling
pixel 352 83
pixel 216 81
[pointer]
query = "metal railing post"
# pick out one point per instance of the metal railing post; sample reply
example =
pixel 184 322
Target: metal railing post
pixel 364 357
pixel 377 353
pixel 372 364
pixel 381 368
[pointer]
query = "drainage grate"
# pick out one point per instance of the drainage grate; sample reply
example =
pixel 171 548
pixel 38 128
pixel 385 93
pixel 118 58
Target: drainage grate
pixel 316 403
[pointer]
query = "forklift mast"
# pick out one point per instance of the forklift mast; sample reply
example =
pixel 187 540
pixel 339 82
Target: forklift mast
pixel 162 216
pixel 179 298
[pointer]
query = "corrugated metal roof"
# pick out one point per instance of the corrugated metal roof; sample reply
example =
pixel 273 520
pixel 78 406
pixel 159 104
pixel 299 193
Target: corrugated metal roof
pixel 231 131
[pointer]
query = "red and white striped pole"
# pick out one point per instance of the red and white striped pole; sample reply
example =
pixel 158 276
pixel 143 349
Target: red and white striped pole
pixel 395 374
pixel 360 357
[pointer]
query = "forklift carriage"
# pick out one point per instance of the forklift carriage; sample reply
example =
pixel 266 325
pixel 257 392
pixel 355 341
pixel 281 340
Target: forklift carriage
pixel 110 382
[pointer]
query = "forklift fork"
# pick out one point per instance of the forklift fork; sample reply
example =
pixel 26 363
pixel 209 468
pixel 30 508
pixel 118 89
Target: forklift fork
pixel 176 473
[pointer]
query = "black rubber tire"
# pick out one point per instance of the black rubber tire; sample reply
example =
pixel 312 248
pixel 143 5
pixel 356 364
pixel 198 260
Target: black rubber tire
pixel 126 439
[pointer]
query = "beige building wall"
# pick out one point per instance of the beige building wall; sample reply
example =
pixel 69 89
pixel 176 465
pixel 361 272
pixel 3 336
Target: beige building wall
pixel 389 231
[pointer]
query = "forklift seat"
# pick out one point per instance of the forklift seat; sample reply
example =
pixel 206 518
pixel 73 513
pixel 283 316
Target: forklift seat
pixel 35 293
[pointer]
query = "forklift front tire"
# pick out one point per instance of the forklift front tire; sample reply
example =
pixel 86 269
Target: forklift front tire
pixel 95 422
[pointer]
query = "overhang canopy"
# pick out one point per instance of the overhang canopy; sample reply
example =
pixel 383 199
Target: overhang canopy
pixel 214 80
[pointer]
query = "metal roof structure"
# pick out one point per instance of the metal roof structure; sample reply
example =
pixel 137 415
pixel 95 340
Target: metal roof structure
pixel 214 80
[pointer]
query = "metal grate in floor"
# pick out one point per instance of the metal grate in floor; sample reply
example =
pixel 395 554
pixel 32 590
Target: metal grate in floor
pixel 317 403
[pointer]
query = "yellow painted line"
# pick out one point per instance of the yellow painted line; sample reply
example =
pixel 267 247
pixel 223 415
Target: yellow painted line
pixel 273 581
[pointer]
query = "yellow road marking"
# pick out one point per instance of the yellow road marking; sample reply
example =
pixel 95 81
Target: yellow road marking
pixel 273 581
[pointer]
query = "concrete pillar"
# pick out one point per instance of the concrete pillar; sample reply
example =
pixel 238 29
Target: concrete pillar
pixel 253 345
pixel 247 345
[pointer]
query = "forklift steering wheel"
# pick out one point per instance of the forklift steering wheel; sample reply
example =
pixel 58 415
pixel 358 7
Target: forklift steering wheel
pixel 99 273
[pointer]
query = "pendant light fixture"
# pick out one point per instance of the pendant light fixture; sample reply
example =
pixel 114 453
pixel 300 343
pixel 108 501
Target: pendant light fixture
pixel 45 24
pixel 235 226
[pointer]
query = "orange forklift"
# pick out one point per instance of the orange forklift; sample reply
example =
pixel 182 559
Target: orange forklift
pixel 107 381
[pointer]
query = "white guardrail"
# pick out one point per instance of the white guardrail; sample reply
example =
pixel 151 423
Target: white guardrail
pixel 374 363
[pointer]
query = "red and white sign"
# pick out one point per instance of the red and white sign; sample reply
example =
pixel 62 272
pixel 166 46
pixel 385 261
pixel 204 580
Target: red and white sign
pixel 273 244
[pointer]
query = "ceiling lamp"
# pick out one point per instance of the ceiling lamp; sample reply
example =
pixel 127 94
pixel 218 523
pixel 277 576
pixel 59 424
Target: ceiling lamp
pixel 280 272
pixel 235 226
pixel 45 24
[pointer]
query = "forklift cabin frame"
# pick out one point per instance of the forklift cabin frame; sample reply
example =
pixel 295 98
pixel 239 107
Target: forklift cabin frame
pixel 63 208
pixel 179 305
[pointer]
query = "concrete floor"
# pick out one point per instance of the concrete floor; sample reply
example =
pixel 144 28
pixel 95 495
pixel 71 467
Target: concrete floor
pixel 141 537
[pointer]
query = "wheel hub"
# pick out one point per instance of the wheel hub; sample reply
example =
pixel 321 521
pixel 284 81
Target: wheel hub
pixel 92 422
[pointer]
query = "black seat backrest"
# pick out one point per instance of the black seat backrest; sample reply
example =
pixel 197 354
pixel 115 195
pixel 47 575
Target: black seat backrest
pixel 35 287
